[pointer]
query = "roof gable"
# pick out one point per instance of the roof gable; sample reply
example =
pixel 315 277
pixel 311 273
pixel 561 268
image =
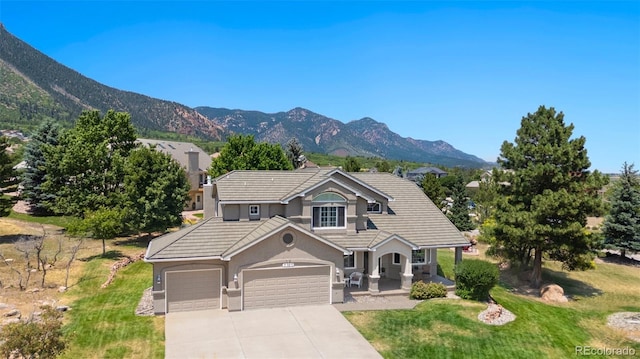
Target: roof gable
pixel 267 229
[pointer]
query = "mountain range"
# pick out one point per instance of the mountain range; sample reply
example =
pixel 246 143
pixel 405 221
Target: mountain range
pixel 34 86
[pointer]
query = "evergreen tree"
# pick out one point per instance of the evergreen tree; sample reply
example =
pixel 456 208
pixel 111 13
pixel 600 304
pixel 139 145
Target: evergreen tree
pixel 294 152
pixel 459 212
pixel 622 224
pixel 8 178
pixel 156 188
pixel 485 199
pixel 35 173
pixel 543 209
pixel 243 153
pixel 432 188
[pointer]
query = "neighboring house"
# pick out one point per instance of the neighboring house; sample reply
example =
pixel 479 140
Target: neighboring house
pixel 418 174
pixel 195 162
pixel 283 238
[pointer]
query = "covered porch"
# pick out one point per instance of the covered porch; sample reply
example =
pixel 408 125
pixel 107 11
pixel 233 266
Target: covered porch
pixel 393 267
pixel 389 286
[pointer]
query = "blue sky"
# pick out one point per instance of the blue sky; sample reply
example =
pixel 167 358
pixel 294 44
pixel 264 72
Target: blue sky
pixel 463 72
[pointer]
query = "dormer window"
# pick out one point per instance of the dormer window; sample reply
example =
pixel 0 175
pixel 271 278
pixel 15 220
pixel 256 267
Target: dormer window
pixel 254 212
pixel 374 207
pixel 329 211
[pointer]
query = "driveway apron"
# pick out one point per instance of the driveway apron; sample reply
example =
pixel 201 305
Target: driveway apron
pixel 314 331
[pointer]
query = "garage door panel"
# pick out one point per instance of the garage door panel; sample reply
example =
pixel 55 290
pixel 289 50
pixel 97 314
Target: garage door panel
pixel 193 290
pixel 282 287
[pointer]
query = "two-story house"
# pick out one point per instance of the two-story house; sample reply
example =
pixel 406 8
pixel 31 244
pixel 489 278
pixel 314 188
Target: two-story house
pixel 284 238
pixel 194 161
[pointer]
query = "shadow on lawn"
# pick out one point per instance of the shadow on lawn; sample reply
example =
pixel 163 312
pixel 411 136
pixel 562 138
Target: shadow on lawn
pixel 112 254
pixel 516 282
pixel 13 238
pixel 572 287
pixel 135 241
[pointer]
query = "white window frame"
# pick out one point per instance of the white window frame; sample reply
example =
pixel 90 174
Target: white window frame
pixel 355 264
pixel 393 259
pixel 379 205
pixel 424 252
pixel 325 203
pixel 257 210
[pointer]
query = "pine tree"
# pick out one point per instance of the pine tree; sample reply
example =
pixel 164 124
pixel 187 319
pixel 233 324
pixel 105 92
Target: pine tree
pixel 543 209
pixel 8 178
pixel 622 224
pixel 459 212
pixel 294 152
pixel 35 173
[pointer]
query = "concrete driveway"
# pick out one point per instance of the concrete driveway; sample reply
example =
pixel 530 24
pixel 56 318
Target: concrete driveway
pixel 315 331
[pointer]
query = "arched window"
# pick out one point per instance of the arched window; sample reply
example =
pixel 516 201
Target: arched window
pixel 329 210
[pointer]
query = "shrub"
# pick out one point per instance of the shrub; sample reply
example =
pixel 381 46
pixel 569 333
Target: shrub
pixel 475 278
pixel 422 290
pixel 34 339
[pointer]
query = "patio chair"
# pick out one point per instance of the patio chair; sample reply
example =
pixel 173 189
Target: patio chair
pixel 355 278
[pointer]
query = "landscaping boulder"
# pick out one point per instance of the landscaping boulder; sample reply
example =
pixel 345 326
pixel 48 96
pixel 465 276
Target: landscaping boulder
pixel 12 313
pixel 553 293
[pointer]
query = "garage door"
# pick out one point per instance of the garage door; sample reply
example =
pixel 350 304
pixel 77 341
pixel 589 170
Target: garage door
pixel 193 290
pixel 284 287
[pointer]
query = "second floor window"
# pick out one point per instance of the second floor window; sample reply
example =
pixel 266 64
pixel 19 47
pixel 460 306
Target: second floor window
pixel 329 211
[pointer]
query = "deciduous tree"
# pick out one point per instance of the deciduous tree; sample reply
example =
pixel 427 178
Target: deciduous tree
pixel 86 169
pixel 432 188
pixel 351 164
pixel 156 189
pixel 550 192
pixel 243 153
pixel 622 225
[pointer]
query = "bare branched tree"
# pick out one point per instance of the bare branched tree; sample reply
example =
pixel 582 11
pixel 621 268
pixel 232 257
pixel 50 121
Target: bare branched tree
pixel 74 252
pixel 12 268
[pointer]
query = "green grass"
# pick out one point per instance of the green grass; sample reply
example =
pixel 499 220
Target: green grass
pixel 444 328
pixel 103 323
pixel 198 215
pixel 60 221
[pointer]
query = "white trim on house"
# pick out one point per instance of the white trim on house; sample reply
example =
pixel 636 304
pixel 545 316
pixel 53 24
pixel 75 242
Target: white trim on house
pixel 396 237
pixel 363 184
pixel 323 182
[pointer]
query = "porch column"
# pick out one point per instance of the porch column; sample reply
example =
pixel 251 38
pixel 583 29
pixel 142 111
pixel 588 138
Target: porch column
pixel 375 273
pixel 458 257
pixel 407 272
pixel 433 262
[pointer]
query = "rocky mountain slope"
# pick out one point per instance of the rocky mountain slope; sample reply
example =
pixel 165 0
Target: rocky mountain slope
pixel 34 86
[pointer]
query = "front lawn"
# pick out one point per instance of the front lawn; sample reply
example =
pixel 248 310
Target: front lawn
pixel 446 328
pixel 102 322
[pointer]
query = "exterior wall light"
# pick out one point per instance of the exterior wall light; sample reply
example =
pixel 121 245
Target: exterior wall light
pixel 235 278
pixel 158 279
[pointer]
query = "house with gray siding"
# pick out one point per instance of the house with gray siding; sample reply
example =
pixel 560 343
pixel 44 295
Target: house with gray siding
pixel 286 238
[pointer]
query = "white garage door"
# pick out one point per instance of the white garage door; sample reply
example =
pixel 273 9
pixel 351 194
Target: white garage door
pixel 193 290
pixel 284 287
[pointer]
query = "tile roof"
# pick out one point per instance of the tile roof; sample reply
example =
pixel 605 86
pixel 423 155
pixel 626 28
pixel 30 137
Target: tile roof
pixel 178 150
pixel 413 217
